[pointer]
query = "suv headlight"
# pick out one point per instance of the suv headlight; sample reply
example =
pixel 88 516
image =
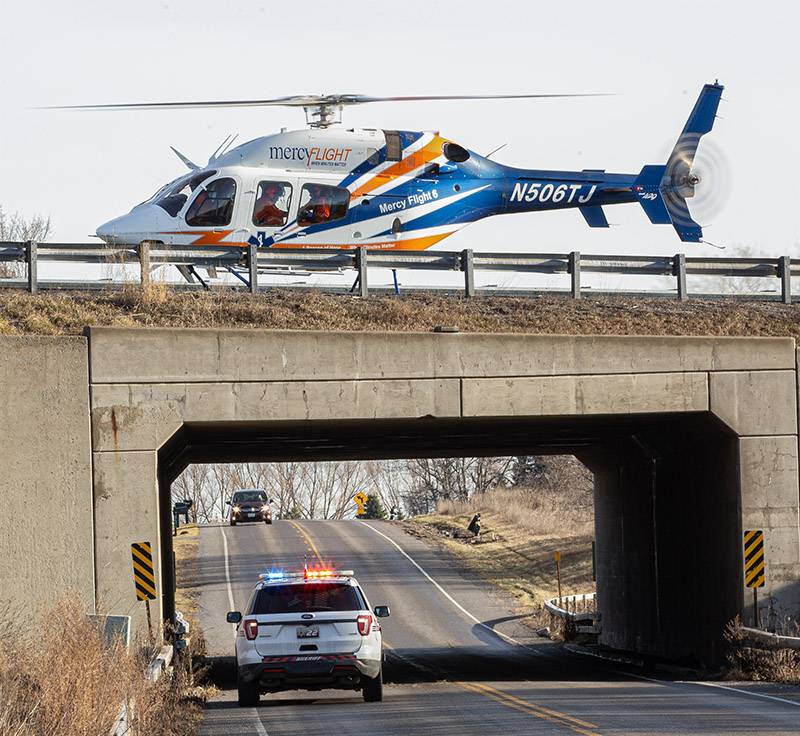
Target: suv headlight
pixel 236 509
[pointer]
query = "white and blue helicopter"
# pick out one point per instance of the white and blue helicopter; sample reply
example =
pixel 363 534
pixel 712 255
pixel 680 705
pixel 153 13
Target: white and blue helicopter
pixel 331 187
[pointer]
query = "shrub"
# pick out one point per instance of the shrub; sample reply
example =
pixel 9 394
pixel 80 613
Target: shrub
pixel 59 677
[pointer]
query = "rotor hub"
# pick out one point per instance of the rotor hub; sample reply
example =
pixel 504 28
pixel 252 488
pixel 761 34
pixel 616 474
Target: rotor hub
pixel 323 116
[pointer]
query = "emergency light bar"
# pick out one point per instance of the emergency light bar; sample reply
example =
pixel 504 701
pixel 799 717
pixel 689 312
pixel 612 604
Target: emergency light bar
pixel 276 575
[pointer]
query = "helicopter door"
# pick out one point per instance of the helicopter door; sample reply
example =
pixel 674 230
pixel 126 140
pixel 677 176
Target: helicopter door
pixel 270 208
pixel 324 214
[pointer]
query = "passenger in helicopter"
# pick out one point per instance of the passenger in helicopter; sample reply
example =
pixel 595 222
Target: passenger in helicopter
pixel 268 211
pixel 318 207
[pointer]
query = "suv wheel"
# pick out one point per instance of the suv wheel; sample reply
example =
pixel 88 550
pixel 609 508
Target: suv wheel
pixel 233 523
pixel 248 694
pixel 372 688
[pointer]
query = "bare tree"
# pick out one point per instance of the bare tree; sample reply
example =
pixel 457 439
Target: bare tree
pixel 284 482
pixel 391 480
pixel 454 479
pixel 16 228
pixel 740 284
pixel 195 483
pixel 325 489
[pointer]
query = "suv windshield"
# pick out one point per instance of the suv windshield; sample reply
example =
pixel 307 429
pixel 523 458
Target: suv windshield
pixel 242 496
pixel 306 597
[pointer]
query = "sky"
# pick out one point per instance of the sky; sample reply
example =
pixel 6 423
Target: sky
pixel 83 168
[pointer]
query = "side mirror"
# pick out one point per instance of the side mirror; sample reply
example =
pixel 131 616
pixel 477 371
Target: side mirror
pixel 234 617
pixel 382 611
pixel 228 503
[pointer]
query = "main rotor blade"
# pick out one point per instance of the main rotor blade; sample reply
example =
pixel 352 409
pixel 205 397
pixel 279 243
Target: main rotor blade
pixel 414 98
pixel 308 101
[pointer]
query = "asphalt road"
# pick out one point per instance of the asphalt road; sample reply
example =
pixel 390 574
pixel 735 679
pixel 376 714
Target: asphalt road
pixel 459 661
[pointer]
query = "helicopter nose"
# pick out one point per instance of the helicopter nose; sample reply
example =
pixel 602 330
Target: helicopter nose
pixel 107 231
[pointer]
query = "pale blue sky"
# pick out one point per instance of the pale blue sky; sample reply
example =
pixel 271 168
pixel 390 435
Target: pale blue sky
pixel 84 168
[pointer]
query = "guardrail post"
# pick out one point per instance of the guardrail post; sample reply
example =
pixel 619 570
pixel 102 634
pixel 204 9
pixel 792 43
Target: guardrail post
pixel 32 259
pixel 467 266
pixel 679 271
pixel 144 262
pixel 785 274
pixel 361 265
pixel 252 266
pixel 574 268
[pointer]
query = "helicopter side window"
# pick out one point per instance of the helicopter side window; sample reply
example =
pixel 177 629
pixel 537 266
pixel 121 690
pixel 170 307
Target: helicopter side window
pixel 173 196
pixel 213 206
pixel 394 146
pixel 322 203
pixel 273 199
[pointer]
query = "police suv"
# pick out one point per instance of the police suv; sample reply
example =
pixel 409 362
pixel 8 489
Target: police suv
pixel 308 631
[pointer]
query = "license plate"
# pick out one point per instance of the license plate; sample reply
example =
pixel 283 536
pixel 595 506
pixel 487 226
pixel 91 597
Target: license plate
pixel 251 515
pixel 307 632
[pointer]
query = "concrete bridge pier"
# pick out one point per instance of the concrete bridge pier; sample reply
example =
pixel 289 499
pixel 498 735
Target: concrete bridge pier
pixel 666 519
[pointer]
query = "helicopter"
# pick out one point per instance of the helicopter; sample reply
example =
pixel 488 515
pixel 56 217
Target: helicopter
pixel 327 186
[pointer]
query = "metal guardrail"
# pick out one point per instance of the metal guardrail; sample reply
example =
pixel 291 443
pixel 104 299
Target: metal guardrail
pixel 251 260
pixel 768 640
pixel 159 664
pixel 578 609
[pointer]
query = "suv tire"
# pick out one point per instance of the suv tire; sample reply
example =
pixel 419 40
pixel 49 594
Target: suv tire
pixel 233 523
pixel 248 694
pixel 372 688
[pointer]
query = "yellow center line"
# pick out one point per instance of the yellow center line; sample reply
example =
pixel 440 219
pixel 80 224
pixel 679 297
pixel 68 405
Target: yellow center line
pixel 308 539
pixel 548 714
pixel 511 701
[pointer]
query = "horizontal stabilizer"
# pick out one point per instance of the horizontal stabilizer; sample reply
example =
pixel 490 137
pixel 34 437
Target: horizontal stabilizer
pixel 648 189
pixel 594 216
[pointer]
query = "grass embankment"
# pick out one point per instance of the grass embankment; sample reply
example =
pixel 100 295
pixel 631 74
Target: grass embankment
pixel 186 544
pixel 520 530
pixel 69 313
pixel 58 677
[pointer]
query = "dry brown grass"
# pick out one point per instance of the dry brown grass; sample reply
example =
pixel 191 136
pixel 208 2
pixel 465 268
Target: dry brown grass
pixel 186 545
pixel 68 313
pixel 746 662
pixel 522 528
pixel 59 678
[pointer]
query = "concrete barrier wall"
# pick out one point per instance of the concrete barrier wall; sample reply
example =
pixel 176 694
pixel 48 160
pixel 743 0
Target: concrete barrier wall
pixel 46 524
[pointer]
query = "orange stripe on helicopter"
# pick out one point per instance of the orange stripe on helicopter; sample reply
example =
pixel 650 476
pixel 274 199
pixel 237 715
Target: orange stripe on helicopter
pixel 423 156
pixel 410 244
pixel 209 237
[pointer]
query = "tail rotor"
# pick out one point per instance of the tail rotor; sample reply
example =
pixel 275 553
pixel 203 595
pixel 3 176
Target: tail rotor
pixel 703 177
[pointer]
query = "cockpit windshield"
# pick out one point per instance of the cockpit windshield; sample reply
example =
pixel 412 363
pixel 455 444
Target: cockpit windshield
pixel 174 195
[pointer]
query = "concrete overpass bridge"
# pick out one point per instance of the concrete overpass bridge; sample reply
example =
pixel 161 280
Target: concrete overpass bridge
pixel 691 440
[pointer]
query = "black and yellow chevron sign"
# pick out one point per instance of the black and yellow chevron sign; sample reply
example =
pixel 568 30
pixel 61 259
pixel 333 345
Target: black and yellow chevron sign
pixel 754 576
pixel 143 576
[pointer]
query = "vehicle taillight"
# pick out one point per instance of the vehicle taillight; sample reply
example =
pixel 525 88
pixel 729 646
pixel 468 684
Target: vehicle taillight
pixel 251 628
pixel 364 624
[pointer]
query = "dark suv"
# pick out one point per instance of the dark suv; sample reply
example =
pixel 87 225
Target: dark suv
pixel 249 505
